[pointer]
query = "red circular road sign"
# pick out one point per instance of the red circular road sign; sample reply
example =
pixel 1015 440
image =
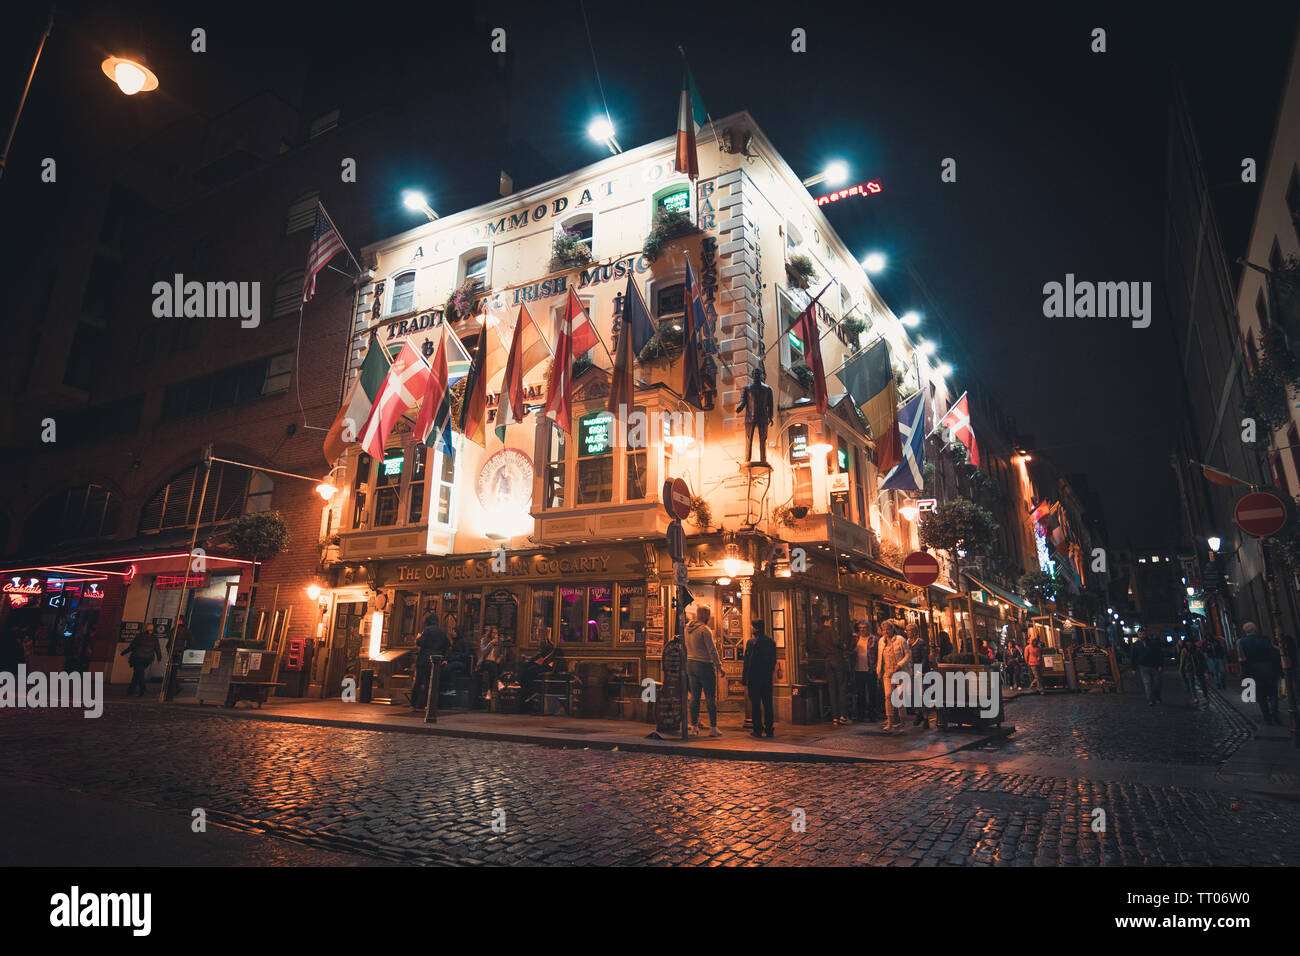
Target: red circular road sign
pixel 921 569
pixel 680 496
pixel 1260 514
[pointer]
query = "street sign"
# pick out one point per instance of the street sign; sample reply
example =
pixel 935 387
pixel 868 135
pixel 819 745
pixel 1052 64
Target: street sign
pixel 679 576
pixel 1260 514
pixel 676 541
pixel 679 496
pixel 920 569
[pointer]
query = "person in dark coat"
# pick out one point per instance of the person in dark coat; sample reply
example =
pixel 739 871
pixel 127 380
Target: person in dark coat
pixel 11 652
pixel 141 652
pixel 1261 662
pixel 760 664
pixel 460 657
pixel 431 643
pixel 827 644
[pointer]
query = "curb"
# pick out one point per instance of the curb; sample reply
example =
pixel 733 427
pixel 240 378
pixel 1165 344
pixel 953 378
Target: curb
pixel 821 755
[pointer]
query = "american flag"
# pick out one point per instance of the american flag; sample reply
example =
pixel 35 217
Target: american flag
pixel 326 243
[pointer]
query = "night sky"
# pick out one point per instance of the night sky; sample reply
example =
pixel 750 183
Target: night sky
pixel 1060 153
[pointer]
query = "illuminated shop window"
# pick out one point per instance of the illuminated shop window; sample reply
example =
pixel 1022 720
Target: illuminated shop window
pixel 636 458
pixel 388 487
pixel 631 613
pixel 543 615
pixel 595 458
pixel 587 614
pixel 555 469
pixel 673 199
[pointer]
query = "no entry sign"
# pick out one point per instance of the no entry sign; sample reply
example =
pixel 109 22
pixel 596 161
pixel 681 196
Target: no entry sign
pixel 1260 514
pixel 679 496
pixel 920 569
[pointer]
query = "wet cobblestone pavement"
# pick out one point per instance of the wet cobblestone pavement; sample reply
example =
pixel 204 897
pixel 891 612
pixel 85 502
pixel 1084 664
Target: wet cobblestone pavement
pixel 416 799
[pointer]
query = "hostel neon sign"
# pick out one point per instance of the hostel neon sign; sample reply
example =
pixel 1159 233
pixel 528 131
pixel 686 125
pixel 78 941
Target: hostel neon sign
pixel 862 189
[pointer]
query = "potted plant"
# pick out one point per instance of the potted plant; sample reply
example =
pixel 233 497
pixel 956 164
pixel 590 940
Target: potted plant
pixel 799 271
pixel 460 304
pixel 804 375
pixel 669 228
pixel 853 327
pixel 788 516
pixel 568 251
pixel 257 537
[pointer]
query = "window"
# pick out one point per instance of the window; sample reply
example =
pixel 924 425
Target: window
pixel 415 496
pixel 388 487
pixel 673 199
pixel 360 486
pixel 595 458
pixel 792 349
pixel 840 497
pixel 586 614
pixel 584 227
pixel 631 613
pixel 279 369
pixel 555 470
pixel 446 484
pixel 474 268
pixel 302 213
pixel 260 487
pixel 803 493
pixel 83 511
pixel 176 504
pixel 227 388
pixel 403 293
pixel 636 457
pixel 543 615
pixel 288 294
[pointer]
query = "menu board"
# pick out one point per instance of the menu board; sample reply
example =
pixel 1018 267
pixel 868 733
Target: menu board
pixel 501 610
pixel 669 705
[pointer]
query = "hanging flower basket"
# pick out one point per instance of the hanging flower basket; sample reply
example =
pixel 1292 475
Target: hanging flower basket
pixel 568 251
pixel 799 271
pixel 460 304
pixel 669 226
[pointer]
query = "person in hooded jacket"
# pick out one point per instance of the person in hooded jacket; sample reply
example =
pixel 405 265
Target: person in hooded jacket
pixel 760 665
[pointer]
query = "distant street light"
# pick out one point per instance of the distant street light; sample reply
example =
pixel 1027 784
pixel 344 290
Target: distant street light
pixel 131 76
pixel 911 319
pixel 415 200
pixel 926 348
pixel 835 173
pixel 944 370
pixel 602 131
pixel 874 262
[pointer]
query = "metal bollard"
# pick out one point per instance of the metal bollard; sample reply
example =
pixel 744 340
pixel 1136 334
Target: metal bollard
pixel 366 692
pixel 431 707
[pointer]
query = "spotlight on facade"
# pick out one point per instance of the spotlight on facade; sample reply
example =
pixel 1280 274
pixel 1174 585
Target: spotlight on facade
pixel 602 131
pixel 944 370
pixel 313 591
pixel 911 319
pixel 874 263
pixel 416 201
pixel 131 76
pixel 326 490
pixel 908 511
pixel 722 582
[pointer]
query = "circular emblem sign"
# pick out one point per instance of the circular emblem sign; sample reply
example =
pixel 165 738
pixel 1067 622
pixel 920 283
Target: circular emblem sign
pixel 920 569
pixel 1260 514
pixel 506 481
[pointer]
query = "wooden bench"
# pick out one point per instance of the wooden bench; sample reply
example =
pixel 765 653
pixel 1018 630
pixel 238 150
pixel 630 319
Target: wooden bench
pixel 257 691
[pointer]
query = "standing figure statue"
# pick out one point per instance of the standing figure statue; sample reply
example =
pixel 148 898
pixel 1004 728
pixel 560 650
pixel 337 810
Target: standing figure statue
pixel 757 404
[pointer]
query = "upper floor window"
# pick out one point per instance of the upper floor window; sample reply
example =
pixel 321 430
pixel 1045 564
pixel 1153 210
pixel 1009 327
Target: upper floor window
pixel 402 293
pixel 553 483
pixel 260 487
pixel 474 268
pixel 670 310
pixel 302 212
pixel 673 199
pixel 84 511
pixel 390 491
pixel 584 227
pixel 288 294
pixel 176 504
pixel 595 458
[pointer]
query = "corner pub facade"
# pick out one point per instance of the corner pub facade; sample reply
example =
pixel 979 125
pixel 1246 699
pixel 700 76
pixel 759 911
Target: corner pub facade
pixel 579 517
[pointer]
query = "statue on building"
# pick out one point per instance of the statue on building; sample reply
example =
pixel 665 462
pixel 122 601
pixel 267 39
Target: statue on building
pixel 757 403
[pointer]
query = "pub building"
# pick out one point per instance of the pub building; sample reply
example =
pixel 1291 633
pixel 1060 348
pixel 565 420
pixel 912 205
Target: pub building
pixel 561 536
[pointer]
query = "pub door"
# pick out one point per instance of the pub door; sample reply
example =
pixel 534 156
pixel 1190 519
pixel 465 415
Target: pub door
pixel 344 646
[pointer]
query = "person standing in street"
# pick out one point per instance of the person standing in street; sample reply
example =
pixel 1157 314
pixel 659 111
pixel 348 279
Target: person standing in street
pixel 919 649
pixel 432 642
pixel 703 668
pixel 826 643
pixel 1261 663
pixel 141 653
pixel 893 657
pixel 760 665
pixel 864 676
pixel 1191 666
pixel 1034 661
pixel 1146 663
pixel 1216 656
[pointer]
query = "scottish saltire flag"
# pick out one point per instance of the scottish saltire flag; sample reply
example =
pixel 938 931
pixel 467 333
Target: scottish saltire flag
pixel 326 243
pixel 911 426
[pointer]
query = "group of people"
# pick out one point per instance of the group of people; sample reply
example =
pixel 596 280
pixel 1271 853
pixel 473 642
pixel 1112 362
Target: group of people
pixel 456 659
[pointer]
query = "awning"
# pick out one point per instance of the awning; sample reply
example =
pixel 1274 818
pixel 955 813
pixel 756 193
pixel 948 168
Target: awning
pixel 1013 599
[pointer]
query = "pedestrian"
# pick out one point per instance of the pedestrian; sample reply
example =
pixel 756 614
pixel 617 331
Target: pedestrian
pixel 491 656
pixel 141 653
pixel 703 668
pixel 1034 661
pixel 864 675
pixel 919 649
pixel 431 643
pixel 826 643
pixel 11 652
pixel 1146 664
pixel 893 657
pixel 760 665
pixel 460 657
pixel 1216 655
pixel 945 648
pixel 1191 666
pixel 1261 663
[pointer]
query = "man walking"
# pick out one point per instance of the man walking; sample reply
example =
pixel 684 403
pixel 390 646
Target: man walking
pixel 826 644
pixel 1261 663
pixel 1034 661
pixel 1146 663
pixel 865 683
pixel 892 656
pixel 141 652
pixel 760 664
pixel 432 643
pixel 703 667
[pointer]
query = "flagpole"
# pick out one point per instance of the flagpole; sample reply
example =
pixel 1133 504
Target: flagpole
pixel 326 214
pixel 712 129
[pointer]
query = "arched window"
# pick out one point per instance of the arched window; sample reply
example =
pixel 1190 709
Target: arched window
pixel 81 512
pixel 674 198
pixel 402 293
pixel 260 487
pixel 176 504
pixel 302 212
pixel 474 268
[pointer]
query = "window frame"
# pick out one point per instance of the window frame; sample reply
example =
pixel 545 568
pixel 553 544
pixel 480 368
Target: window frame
pixel 390 287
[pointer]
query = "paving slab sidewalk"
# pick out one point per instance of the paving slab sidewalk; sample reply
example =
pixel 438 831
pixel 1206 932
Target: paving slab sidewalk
pixel 819 743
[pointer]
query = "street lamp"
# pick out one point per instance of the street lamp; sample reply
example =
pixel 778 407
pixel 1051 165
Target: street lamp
pixel 1215 543
pixel 835 173
pixel 926 348
pixel 601 129
pixel 415 200
pixel 944 370
pixel 874 262
pixel 911 319
pixel 130 75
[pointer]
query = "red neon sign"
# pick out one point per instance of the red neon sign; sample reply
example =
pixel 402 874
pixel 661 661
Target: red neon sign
pixel 15 586
pixel 862 189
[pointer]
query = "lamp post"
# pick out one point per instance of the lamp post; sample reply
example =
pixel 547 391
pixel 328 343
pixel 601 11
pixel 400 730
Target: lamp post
pixel 835 173
pixel 601 129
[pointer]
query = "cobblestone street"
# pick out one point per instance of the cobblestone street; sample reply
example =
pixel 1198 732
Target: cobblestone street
pixel 417 799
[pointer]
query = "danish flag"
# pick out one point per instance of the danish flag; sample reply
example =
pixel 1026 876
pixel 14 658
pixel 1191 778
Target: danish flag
pixel 957 421
pixel 404 386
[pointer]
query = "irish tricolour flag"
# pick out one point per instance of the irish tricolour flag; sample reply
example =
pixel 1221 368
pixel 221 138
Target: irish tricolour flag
pixel 690 118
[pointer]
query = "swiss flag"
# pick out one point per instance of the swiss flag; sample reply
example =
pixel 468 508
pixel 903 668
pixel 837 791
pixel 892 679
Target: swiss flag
pixel 957 421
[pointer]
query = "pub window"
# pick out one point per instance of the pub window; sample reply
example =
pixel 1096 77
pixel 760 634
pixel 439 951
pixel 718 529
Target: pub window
pixel 555 470
pixel 543 615
pixel 302 212
pixel 675 198
pixel 573 614
pixel 859 489
pixel 445 468
pixel 595 458
pixel 388 487
pixel 840 497
pixel 670 312
pixel 415 510
pixel 408 624
pixel 631 613
pixel 260 487
pixel 359 488
pixel 636 458
pixel 600 614
pixel 402 298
